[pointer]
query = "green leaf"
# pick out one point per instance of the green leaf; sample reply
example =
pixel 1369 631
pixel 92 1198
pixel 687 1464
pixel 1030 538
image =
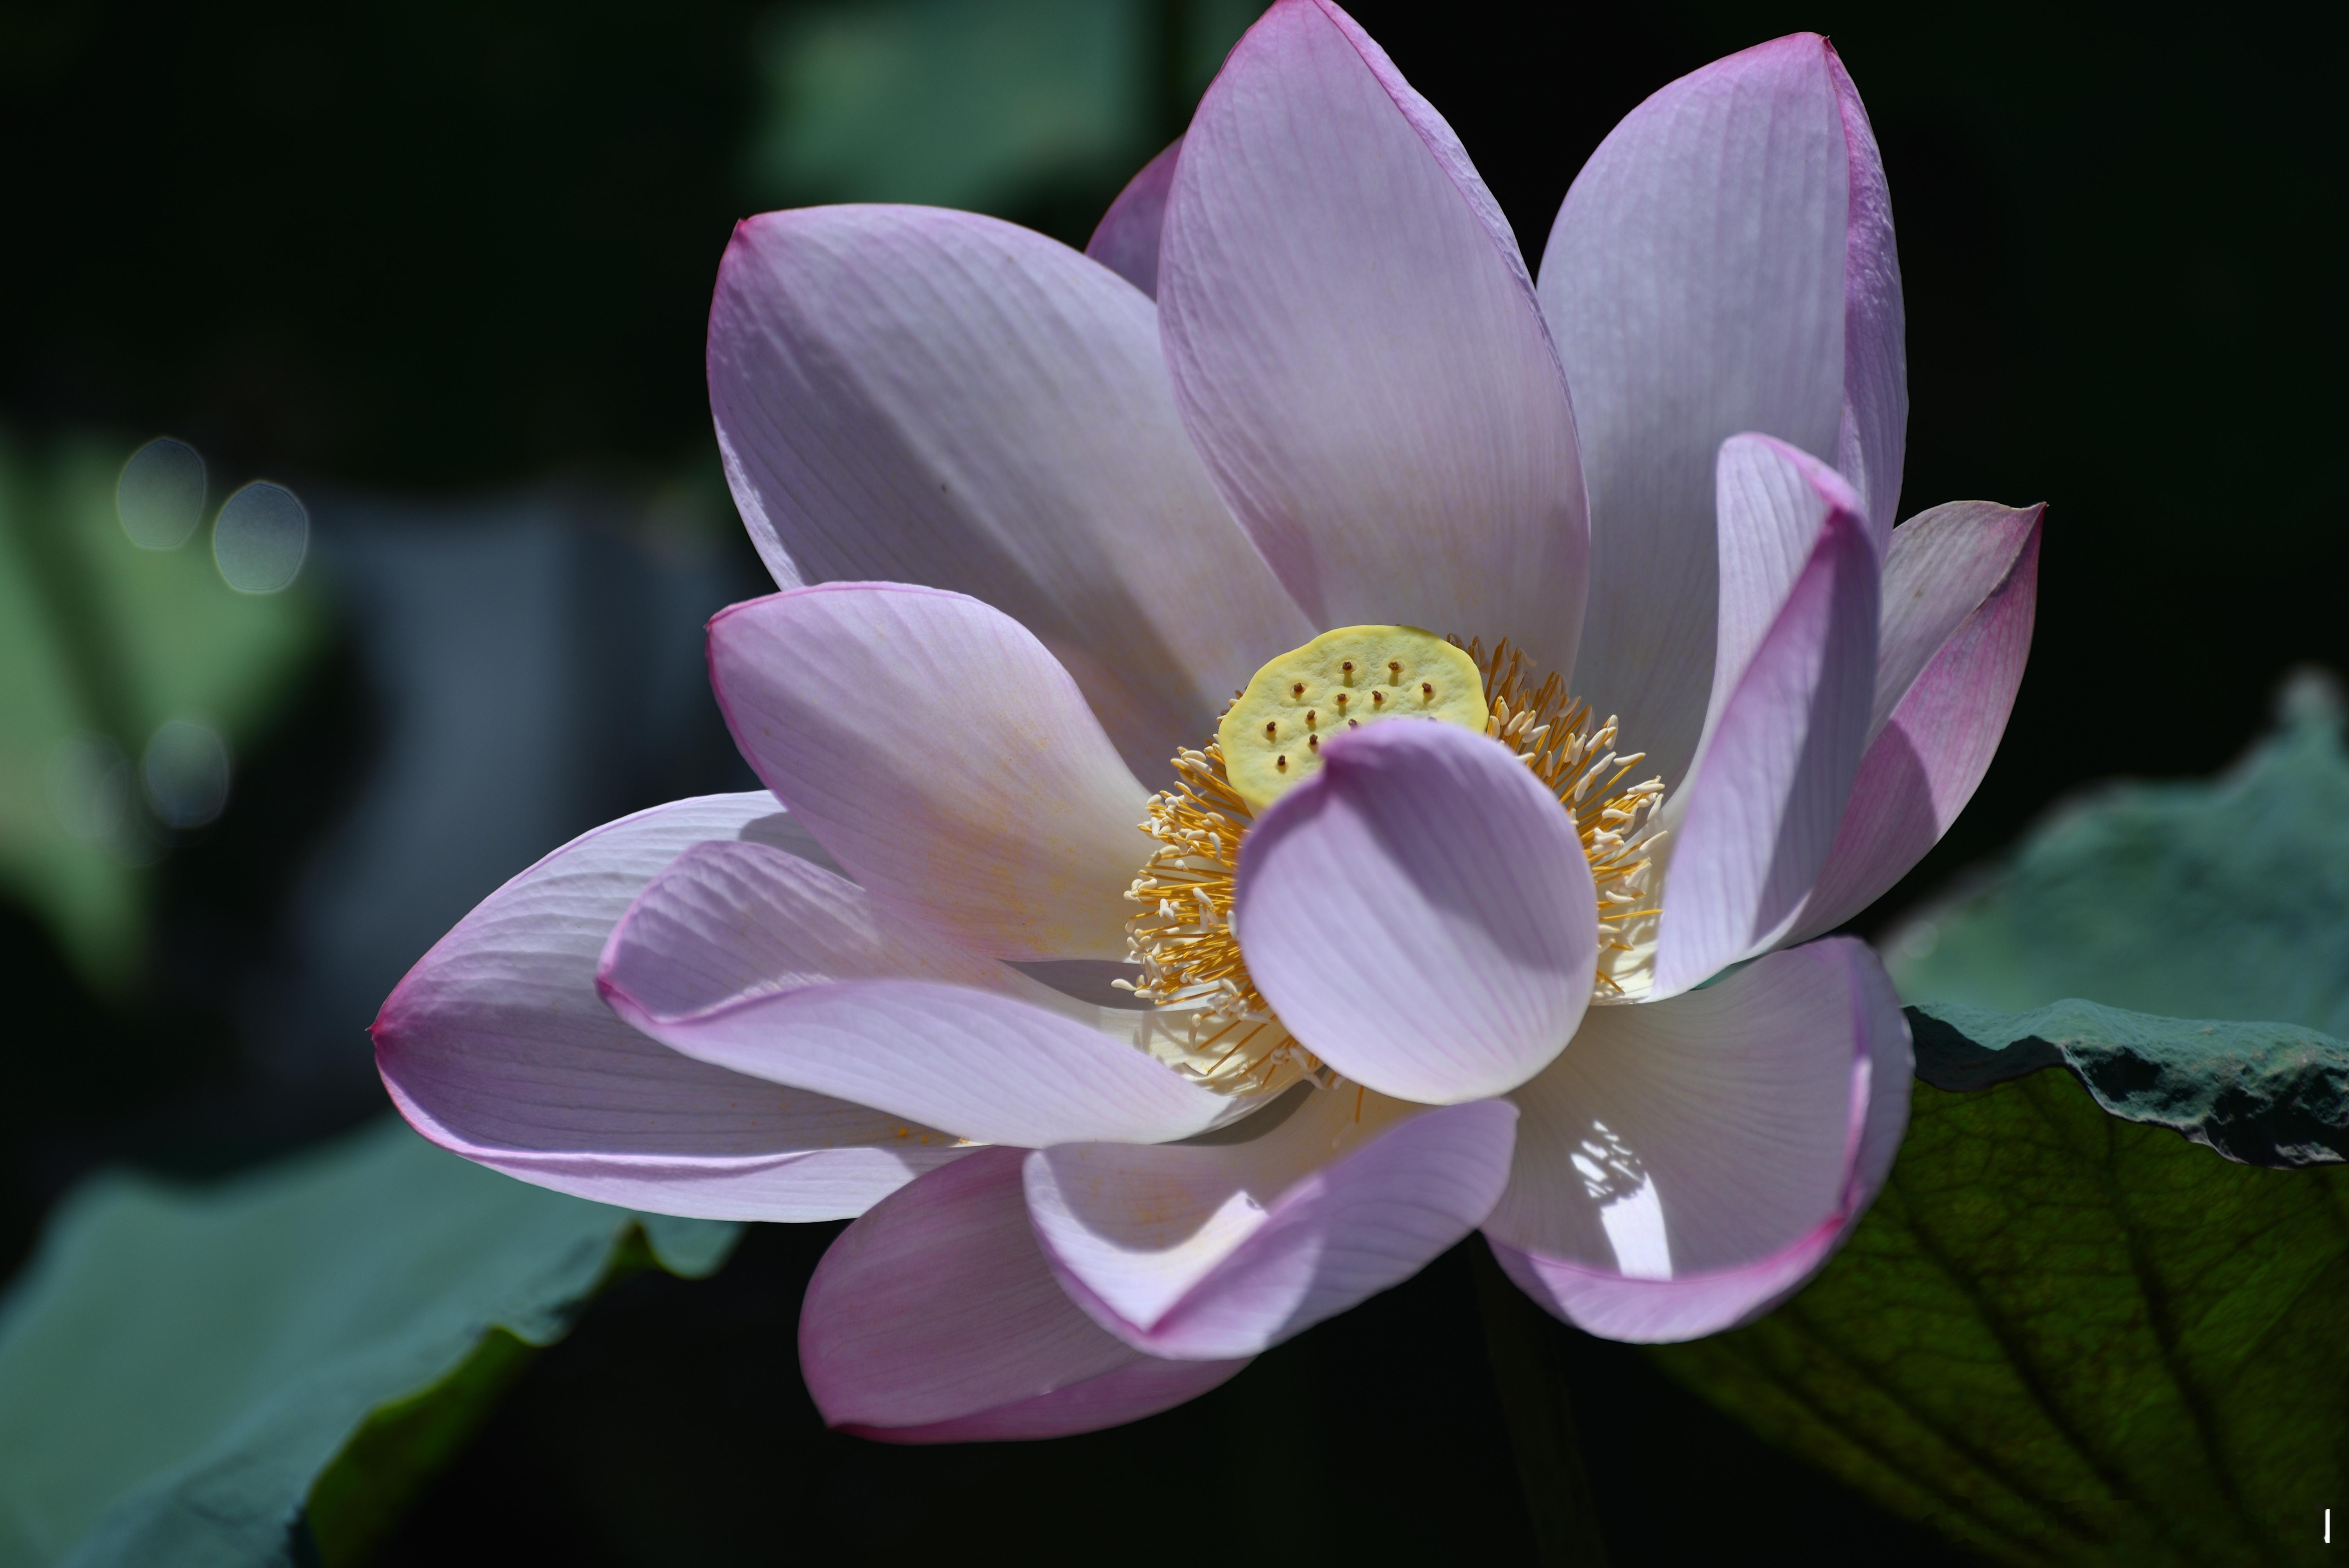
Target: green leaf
pixel 2064 1337
pixel 2265 1094
pixel 2222 898
pixel 2066 1333
pixel 180 1370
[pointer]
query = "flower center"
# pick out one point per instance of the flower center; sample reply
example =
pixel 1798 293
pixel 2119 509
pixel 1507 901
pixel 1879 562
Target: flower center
pixel 1208 1019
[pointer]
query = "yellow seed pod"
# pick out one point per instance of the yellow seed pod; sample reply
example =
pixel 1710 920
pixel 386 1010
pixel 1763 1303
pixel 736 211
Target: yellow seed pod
pixel 1272 736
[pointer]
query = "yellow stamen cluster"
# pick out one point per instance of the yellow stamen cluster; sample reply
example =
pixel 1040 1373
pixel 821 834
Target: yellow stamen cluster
pixel 1209 1020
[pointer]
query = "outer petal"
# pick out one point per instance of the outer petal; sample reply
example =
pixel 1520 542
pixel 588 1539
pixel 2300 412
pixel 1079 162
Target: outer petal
pixel 1960 590
pixel 1872 442
pixel 935 1319
pixel 1126 241
pixel 1201 1252
pixel 937 397
pixel 496 1047
pixel 1357 351
pixel 1686 1165
pixel 987 1068
pixel 1724 262
pixel 943 756
pixel 1762 807
pixel 1421 915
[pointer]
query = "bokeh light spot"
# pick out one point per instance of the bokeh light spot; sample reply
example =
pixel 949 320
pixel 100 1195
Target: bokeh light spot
pixel 160 495
pixel 261 537
pixel 185 772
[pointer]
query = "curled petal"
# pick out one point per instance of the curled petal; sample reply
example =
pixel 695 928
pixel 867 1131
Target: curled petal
pixel 1223 1249
pixel 943 756
pixel 1357 351
pixel 495 1046
pixel 1761 808
pixel 935 1319
pixel 1421 913
pixel 1687 1164
pixel 1961 591
pixel 1724 262
pixel 937 397
pixel 1126 240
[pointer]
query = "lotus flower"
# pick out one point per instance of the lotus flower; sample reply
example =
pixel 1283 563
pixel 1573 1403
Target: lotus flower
pixel 1578 665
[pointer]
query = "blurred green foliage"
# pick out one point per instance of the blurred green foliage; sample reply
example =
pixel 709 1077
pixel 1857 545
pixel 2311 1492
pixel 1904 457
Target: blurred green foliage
pixel 103 642
pixel 180 1369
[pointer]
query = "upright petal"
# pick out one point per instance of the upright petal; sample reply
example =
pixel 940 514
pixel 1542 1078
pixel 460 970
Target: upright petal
pixel 1358 353
pixel 1206 1251
pixel 1872 442
pixel 1421 915
pixel 1763 803
pixel 944 757
pixel 935 1319
pixel 1724 262
pixel 1960 590
pixel 1686 1165
pixel 1126 239
pixel 496 1047
pixel 942 398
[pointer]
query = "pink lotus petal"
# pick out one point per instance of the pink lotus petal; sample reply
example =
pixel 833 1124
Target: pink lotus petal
pixel 1420 914
pixel 1126 240
pixel 987 1068
pixel 943 757
pixel 1688 1164
pixel 496 1047
pixel 1202 1252
pixel 1871 444
pixel 1357 351
pixel 937 397
pixel 1762 806
pixel 1960 589
pixel 1696 281
pixel 935 1319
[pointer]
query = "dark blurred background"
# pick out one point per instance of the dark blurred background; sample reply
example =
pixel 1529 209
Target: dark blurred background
pixel 442 271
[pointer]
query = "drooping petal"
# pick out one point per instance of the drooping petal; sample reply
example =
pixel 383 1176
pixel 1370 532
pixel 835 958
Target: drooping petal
pixel 1960 590
pixel 496 1047
pixel 1126 239
pixel 986 1067
pixel 1724 262
pixel 1206 1251
pixel 1762 806
pixel 1357 351
pixel 1686 1165
pixel 1421 915
pixel 944 757
pixel 935 1319
pixel 937 397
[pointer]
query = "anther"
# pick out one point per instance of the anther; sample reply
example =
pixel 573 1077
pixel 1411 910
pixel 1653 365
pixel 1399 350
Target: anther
pixel 1342 699
pixel 1281 763
pixel 1273 727
pixel 1348 667
pixel 1310 714
pixel 1395 666
pixel 1427 691
pixel 1378 698
pixel 1313 742
pixel 1353 724
pixel 1297 690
